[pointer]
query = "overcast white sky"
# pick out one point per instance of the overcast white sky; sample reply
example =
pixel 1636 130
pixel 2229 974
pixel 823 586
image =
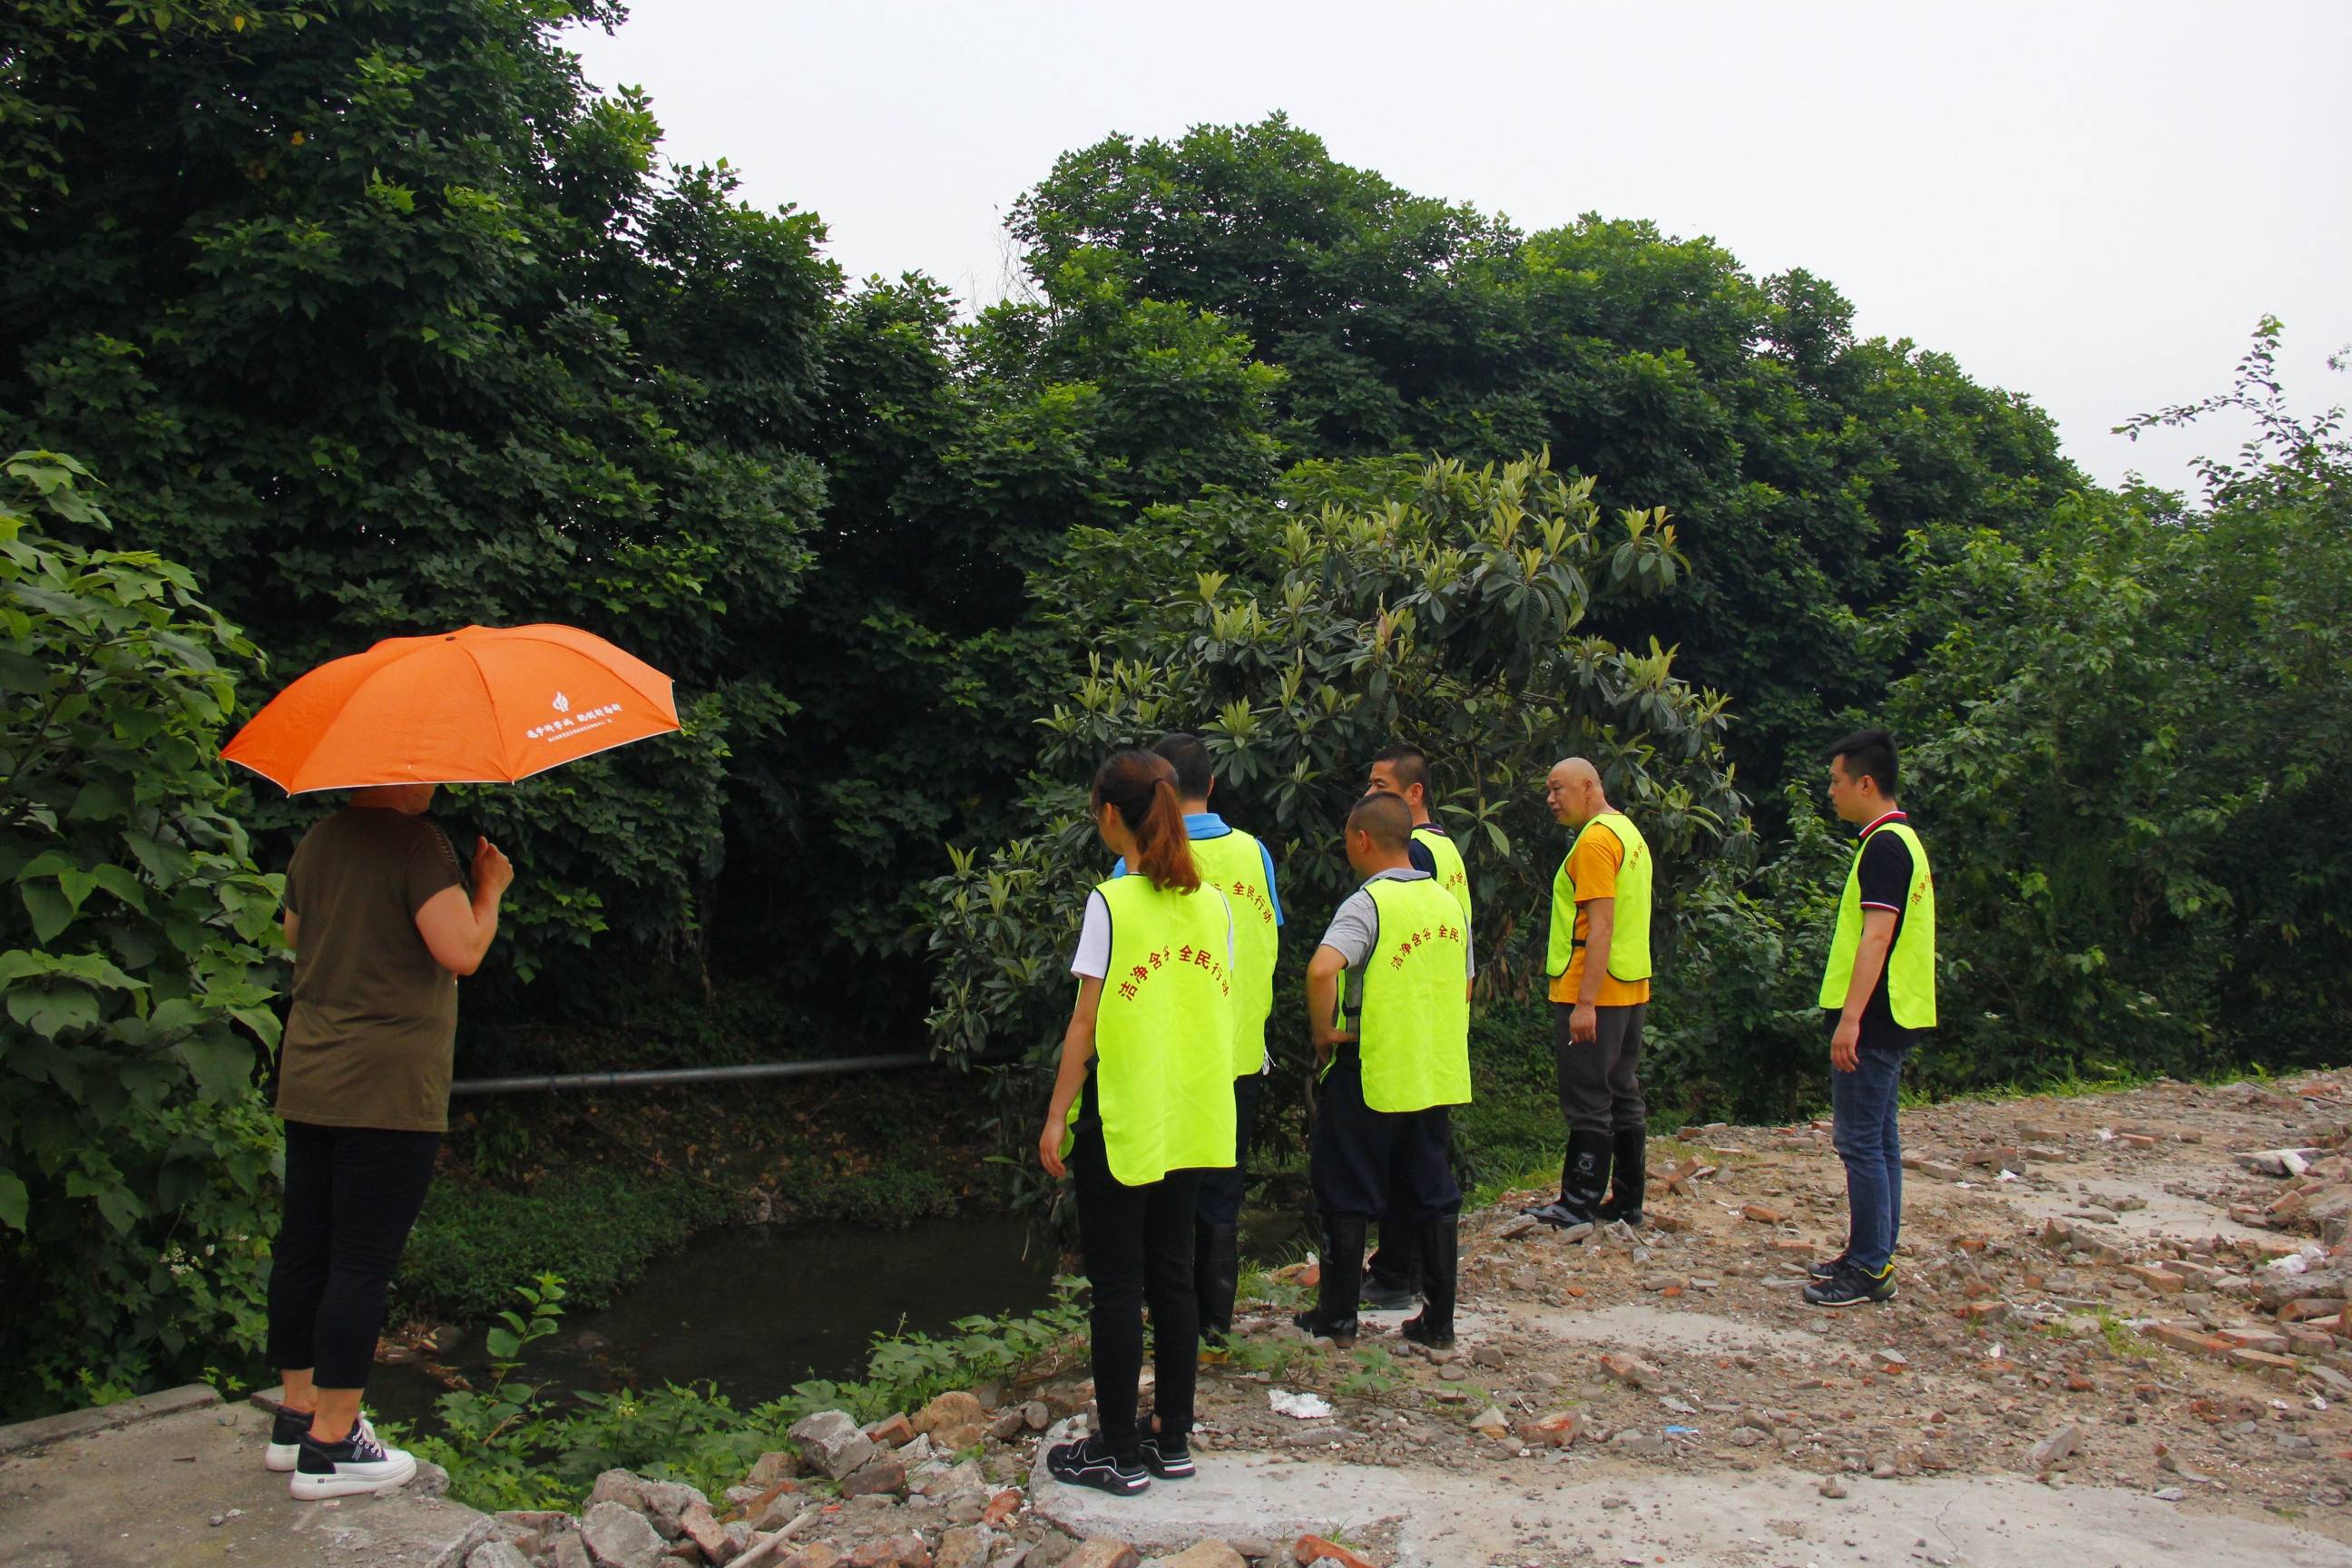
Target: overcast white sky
pixel 2092 204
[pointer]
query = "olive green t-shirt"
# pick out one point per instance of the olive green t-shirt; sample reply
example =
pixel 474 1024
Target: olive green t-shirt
pixel 374 1021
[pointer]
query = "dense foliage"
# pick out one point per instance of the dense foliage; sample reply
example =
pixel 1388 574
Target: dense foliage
pixel 137 951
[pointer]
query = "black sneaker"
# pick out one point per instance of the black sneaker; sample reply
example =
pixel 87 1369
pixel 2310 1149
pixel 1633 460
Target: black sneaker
pixel 1418 1330
pixel 1380 1298
pixel 1559 1215
pixel 287 1430
pixel 1827 1271
pixel 1168 1457
pixel 1851 1287
pixel 360 1463
pixel 1091 1464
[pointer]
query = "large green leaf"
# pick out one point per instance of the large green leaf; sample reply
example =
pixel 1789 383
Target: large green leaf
pixel 13 1199
pixel 50 909
pixel 222 1063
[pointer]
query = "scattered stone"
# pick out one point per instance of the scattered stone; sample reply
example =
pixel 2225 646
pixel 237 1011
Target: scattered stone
pixel 831 1441
pixel 968 1547
pixel 497 1554
pixel 699 1525
pixel 1203 1554
pixel 1309 1550
pixel 1517 1226
pixel 776 1465
pixel 1102 1552
pixel 1631 1370
pixel 618 1536
pixel 953 1421
pixel 880 1477
pixel 2053 1448
pixel 1760 1214
pixel 1833 1487
pixel 893 1431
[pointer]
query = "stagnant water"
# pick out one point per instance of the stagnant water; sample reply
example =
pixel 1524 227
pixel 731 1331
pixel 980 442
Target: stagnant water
pixel 755 1310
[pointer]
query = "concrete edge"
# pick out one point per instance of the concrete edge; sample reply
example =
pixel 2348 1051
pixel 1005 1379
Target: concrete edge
pixel 30 1435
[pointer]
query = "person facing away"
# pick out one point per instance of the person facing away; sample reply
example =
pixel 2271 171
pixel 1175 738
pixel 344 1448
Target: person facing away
pixel 1238 866
pixel 1598 955
pixel 381 925
pixel 1143 1105
pixel 1392 1278
pixel 1392 1061
pixel 1878 1002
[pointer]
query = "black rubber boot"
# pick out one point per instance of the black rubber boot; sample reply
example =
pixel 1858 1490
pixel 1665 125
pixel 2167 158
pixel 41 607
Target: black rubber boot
pixel 1333 1315
pixel 1216 1277
pixel 1393 1278
pixel 1629 1157
pixel 1441 1256
pixel 1583 1182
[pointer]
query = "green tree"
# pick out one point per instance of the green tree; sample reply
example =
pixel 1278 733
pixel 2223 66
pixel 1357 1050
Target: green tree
pixel 386 322
pixel 1795 458
pixel 2128 744
pixel 138 951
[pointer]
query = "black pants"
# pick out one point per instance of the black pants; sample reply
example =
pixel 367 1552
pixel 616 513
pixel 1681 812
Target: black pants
pixel 1365 1164
pixel 1221 1188
pixel 351 1194
pixel 1599 1088
pixel 1138 1247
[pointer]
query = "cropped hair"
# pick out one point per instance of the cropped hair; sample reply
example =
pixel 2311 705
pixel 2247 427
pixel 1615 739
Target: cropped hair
pixel 1190 758
pixel 1411 766
pixel 1141 787
pixel 1869 753
pixel 1385 817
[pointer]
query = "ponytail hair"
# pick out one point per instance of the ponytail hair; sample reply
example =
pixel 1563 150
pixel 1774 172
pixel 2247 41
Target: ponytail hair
pixel 1142 788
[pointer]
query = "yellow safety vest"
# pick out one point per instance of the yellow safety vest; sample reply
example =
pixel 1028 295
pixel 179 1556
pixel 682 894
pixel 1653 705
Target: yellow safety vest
pixel 1452 875
pixel 1236 866
pixel 1413 1036
pixel 1629 937
pixel 1163 1033
pixel 1911 962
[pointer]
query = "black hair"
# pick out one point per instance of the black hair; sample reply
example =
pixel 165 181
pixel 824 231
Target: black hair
pixel 1410 766
pixel 1869 753
pixel 1385 817
pixel 1190 758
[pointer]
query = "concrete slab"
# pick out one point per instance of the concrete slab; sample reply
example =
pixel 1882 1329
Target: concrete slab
pixel 1595 1508
pixel 1640 1327
pixel 2167 1214
pixel 50 1429
pixel 145 1495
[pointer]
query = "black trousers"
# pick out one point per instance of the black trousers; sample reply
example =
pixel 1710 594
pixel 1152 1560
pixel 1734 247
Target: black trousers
pixel 1220 1201
pixel 1364 1163
pixel 1138 1247
pixel 351 1196
pixel 1600 1090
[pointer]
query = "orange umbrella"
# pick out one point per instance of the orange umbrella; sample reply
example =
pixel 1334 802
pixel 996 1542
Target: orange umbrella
pixel 478 705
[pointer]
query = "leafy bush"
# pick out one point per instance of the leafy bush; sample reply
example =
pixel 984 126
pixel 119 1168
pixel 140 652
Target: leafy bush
pixel 1366 603
pixel 138 954
pixel 595 1227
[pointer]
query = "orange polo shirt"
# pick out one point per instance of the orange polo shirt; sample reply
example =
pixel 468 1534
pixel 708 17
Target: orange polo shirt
pixel 1592 866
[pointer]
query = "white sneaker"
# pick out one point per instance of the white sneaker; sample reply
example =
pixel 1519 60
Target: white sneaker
pixel 360 1463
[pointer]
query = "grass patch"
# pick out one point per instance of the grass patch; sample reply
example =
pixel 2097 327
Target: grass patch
pixel 596 1227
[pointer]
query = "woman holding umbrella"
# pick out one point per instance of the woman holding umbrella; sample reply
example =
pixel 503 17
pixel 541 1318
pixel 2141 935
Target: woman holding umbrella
pixel 382 924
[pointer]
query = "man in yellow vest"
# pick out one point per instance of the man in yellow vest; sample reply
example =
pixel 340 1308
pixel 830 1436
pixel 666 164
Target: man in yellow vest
pixel 1239 867
pixel 1392 1278
pixel 1390 1063
pixel 1597 957
pixel 1878 1000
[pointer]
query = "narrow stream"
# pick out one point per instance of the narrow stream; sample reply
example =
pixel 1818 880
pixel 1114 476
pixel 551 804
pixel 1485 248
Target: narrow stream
pixel 756 1310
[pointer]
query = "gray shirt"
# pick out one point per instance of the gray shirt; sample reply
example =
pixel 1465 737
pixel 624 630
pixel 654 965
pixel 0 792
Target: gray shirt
pixel 1355 930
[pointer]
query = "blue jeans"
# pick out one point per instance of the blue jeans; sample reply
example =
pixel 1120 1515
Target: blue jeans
pixel 1868 1139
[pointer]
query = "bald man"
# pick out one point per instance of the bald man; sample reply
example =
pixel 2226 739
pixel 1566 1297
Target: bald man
pixel 1597 957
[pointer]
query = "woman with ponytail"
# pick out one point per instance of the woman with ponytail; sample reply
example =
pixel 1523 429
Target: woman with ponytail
pixel 1142 1104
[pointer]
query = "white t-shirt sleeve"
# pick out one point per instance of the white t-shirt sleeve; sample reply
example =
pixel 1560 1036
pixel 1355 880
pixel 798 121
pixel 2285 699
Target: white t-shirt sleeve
pixel 1092 961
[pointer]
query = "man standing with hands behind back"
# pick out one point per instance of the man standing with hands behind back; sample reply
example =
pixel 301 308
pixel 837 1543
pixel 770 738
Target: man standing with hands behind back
pixel 1599 961
pixel 1878 999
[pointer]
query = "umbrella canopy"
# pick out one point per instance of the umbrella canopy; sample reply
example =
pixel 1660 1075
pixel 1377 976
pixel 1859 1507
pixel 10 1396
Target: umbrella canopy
pixel 478 705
